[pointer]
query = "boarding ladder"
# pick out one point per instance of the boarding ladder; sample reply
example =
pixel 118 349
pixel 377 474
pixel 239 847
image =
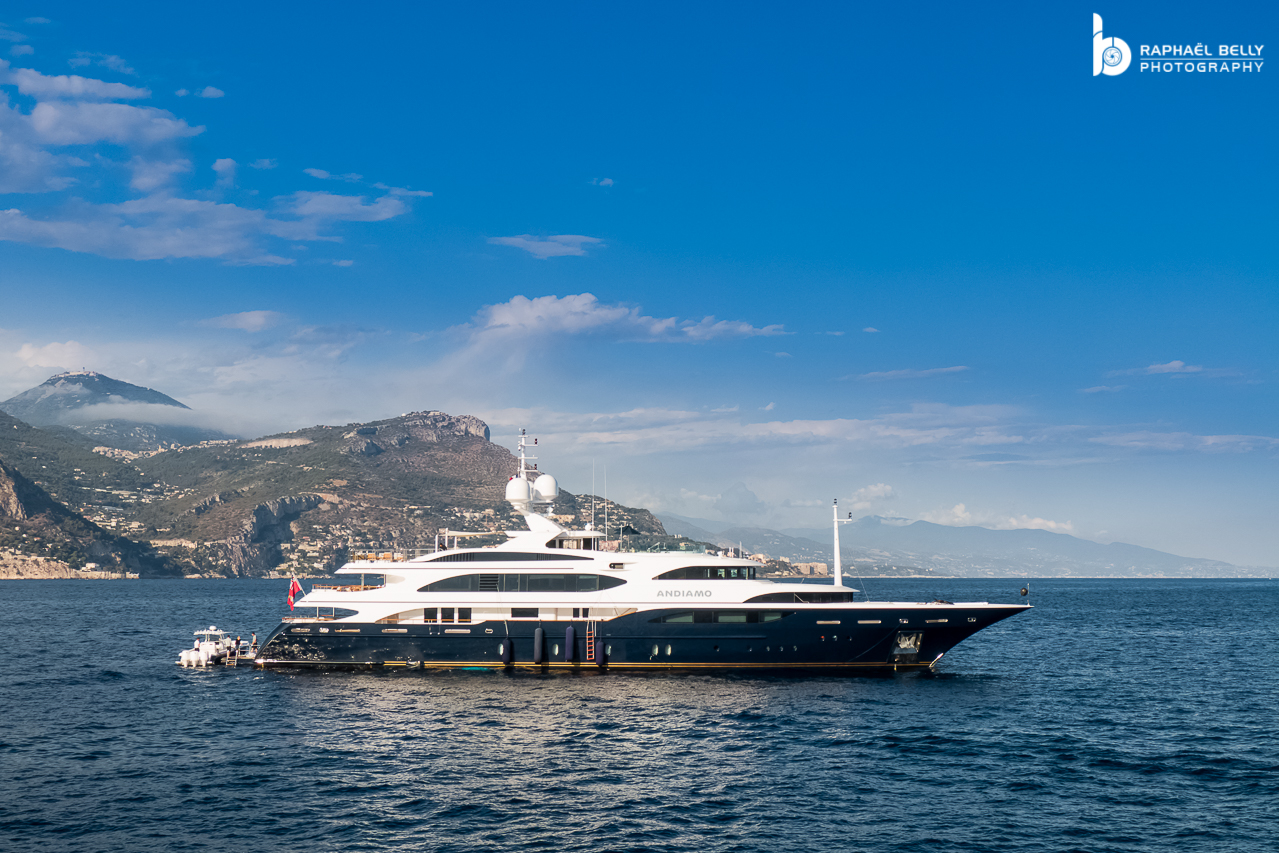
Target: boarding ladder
pixel 590 641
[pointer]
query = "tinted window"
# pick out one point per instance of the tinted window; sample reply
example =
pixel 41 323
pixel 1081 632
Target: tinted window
pixel 799 597
pixel 709 573
pixel 736 617
pixel 495 556
pixel 523 583
pixel 523 612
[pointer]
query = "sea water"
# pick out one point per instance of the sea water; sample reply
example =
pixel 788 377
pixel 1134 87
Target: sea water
pixel 1118 715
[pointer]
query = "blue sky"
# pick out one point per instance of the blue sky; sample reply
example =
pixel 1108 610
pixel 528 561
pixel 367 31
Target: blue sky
pixel 747 257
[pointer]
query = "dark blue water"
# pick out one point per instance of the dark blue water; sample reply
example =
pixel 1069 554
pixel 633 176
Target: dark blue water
pixel 1117 715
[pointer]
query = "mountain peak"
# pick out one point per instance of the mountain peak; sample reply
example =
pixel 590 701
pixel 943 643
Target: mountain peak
pixel 59 398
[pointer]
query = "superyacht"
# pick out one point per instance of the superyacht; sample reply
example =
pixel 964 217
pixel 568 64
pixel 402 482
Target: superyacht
pixel 552 598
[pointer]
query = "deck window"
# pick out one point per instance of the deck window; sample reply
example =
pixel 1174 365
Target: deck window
pixel 446 614
pixel 523 612
pixel 717 573
pixel 496 556
pixel 802 597
pixel 464 614
pixel 523 582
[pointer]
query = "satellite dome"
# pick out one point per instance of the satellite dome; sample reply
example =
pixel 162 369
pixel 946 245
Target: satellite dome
pixel 517 489
pixel 545 489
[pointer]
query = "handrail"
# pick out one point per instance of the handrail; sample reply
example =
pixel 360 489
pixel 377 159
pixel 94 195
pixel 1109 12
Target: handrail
pixel 348 588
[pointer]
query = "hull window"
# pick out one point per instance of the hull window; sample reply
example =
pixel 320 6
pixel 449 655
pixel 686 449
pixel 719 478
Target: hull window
pixel 446 614
pixel 724 616
pixel 430 614
pixel 523 612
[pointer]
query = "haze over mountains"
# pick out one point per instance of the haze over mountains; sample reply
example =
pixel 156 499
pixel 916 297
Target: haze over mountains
pixel 200 502
pixel 896 546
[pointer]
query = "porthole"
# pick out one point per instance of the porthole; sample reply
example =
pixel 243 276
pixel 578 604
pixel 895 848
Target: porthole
pixel 608 650
pixel 668 651
pixel 654 651
pixel 717 648
pixel 501 648
pixel 972 618
pixel 768 648
pixel 796 648
pixel 555 649
pixel 835 638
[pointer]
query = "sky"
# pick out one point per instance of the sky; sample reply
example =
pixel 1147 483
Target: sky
pixel 734 259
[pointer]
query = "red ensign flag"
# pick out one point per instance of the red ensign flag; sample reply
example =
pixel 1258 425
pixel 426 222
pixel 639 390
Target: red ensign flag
pixel 294 589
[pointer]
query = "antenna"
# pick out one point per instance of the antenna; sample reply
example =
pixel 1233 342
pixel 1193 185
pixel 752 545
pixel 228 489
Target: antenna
pixel 837 572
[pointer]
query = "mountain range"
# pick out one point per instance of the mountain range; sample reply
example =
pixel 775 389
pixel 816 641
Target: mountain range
pixel 205 503
pixel 878 545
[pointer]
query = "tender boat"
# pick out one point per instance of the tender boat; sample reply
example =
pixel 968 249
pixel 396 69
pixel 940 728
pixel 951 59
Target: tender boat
pixel 552 598
pixel 212 646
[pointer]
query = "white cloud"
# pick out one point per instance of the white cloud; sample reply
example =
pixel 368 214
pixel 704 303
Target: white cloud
pixel 248 321
pixel 37 21
pixel 210 92
pixel 560 245
pixel 7 34
pixel 263 163
pixel 40 86
pixel 78 123
pixel 909 374
pixel 151 175
pixel 1102 389
pixel 71 355
pixel 768 408
pixel 343 263
pixel 21 50
pixel 1149 440
pixel 106 60
pixel 182 93
pixel 582 313
pixel 348 208
pixel 960 516
pixel 602 182
pixel 1175 368
pixel 867 497
pixel 782 355
pixel 870 329
pixel 225 167
pixel 350 177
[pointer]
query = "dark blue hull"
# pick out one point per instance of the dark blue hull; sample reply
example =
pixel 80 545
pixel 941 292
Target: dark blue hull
pixel 827 640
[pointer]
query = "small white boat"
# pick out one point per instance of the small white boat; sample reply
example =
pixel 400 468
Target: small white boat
pixel 212 646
